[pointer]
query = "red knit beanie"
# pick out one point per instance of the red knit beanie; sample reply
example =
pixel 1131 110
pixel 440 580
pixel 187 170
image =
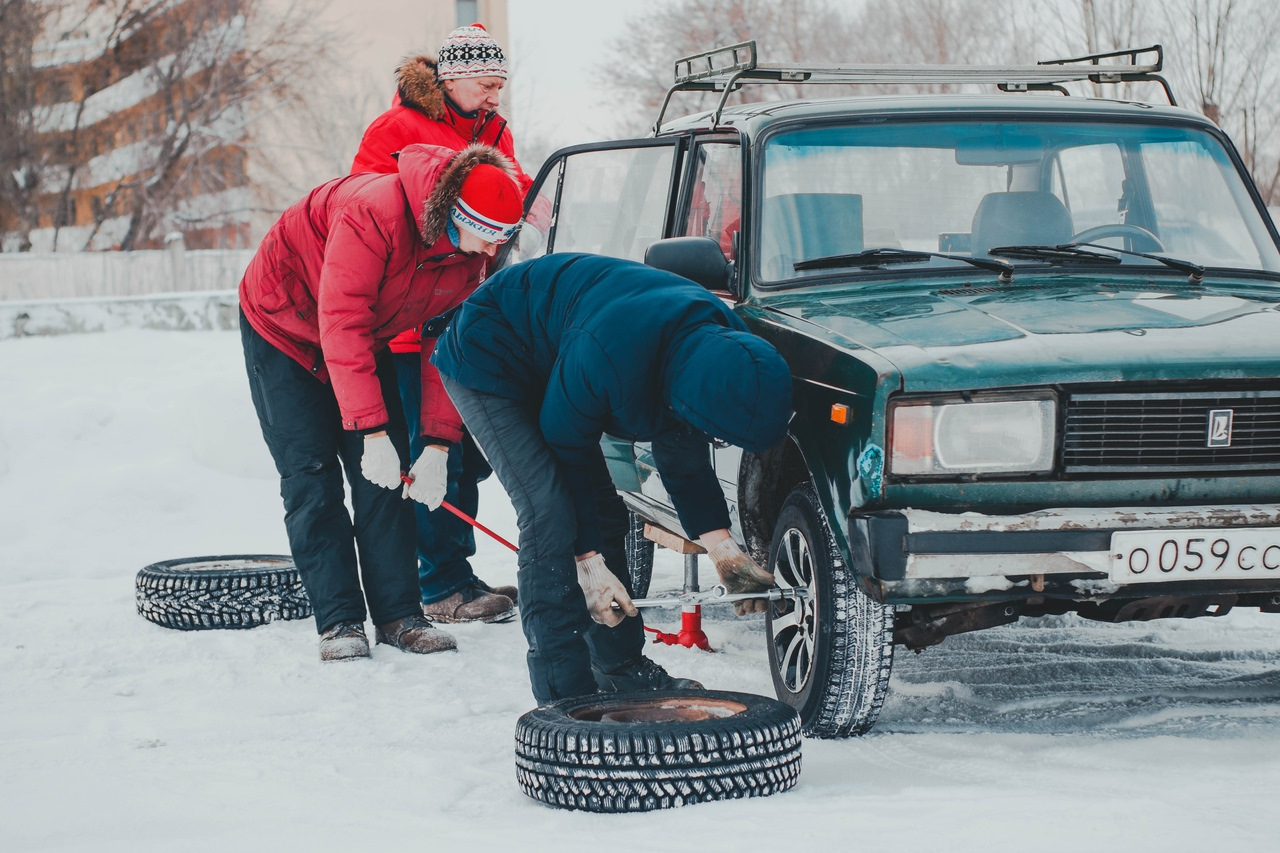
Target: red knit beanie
pixel 489 204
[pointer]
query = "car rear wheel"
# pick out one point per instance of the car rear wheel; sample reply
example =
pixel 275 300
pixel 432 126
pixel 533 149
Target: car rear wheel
pixel 639 557
pixel 830 653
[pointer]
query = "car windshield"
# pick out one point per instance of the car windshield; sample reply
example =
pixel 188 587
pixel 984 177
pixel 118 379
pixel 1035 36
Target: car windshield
pixel 974 188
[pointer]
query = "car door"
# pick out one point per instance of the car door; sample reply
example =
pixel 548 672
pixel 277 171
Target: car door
pixel 613 199
pixel 712 207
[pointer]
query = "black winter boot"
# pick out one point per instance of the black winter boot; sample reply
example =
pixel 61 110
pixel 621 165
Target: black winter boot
pixel 640 673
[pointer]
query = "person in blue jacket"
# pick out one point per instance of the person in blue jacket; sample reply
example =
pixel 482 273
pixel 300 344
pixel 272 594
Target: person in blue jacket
pixel 544 358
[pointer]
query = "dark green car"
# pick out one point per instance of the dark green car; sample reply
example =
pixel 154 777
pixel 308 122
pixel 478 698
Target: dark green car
pixel 1035 342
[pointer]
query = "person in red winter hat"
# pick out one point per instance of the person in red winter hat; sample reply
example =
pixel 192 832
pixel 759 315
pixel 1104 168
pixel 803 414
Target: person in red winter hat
pixel 357 261
pixel 451 100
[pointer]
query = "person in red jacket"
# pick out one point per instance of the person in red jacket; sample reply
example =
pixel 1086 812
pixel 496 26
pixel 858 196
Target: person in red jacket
pixel 357 261
pixel 452 101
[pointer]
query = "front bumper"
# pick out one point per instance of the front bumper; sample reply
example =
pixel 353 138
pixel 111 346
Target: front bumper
pixel 920 554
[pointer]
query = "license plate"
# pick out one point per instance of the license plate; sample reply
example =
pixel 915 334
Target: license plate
pixel 1154 556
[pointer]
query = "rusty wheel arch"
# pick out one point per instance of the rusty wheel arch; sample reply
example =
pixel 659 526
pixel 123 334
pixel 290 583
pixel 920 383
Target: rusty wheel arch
pixel 764 481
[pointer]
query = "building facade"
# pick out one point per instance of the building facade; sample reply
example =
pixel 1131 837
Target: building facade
pixel 137 129
pixel 133 133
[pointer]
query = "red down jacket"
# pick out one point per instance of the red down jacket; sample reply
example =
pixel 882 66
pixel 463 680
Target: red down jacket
pixel 359 260
pixel 421 113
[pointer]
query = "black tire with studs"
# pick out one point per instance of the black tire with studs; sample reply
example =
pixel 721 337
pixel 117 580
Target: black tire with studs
pixel 831 654
pixel 639 557
pixel 237 591
pixel 636 752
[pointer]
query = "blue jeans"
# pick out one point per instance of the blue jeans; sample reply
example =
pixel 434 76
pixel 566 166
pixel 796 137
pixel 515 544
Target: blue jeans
pixel 563 640
pixel 303 430
pixel 445 542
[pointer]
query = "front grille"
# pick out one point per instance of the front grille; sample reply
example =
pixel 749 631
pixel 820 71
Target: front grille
pixel 1169 432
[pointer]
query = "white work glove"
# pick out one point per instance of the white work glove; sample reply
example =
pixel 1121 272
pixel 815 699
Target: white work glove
pixel 430 476
pixel 739 573
pixel 380 463
pixel 602 588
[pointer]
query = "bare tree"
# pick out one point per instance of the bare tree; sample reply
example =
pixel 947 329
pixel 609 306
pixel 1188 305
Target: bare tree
pixel 808 30
pixel 21 162
pixel 1074 27
pixel 942 32
pixel 157 123
pixel 308 137
pixel 1081 27
pixel 1227 59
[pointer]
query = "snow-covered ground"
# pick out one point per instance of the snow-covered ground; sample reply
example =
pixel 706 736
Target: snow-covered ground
pixel 125 448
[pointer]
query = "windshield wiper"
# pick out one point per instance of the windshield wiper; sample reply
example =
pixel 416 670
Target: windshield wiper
pixel 885 255
pixel 1054 254
pixel 1194 271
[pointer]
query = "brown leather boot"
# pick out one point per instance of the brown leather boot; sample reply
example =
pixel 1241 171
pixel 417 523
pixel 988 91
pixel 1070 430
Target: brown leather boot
pixel 509 591
pixel 344 641
pixel 415 634
pixel 471 604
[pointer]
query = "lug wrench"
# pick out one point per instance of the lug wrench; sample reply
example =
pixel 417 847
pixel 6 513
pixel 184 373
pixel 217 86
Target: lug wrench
pixel 462 515
pixel 718 594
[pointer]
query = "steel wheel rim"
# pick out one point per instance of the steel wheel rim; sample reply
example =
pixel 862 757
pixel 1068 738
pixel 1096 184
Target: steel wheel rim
pixel 793 624
pixel 665 709
pixel 239 564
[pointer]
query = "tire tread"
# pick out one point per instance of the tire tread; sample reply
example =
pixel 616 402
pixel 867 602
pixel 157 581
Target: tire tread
pixel 175 595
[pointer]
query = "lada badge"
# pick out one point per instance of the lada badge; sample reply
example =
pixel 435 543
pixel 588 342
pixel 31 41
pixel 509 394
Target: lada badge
pixel 1219 433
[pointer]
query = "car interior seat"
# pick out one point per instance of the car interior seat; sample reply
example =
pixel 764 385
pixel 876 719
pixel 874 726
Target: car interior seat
pixel 1019 219
pixel 801 226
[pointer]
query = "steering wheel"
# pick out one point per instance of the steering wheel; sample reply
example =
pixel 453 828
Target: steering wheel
pixel 1143 240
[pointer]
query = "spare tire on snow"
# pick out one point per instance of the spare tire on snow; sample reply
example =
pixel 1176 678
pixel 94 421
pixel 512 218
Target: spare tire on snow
pixel 238 591
pixel 636 752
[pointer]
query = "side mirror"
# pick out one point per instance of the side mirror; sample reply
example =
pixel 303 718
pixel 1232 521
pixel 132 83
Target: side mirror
pixel 698 259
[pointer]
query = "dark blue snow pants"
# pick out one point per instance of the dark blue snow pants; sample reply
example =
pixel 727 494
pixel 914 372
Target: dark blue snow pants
pixel 445 542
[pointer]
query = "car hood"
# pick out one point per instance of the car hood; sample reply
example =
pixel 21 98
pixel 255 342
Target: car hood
pixel 1069 329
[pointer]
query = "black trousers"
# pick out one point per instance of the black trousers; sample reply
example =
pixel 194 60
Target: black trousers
pixel 303 430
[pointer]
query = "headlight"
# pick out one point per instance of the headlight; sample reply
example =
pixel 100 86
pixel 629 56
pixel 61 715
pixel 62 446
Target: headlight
pixel 978 437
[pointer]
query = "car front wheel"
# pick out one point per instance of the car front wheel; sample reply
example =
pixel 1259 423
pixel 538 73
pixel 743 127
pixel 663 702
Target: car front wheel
pixel 831 652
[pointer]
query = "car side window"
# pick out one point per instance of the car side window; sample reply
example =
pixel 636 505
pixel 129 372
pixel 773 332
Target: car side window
pixel 532 239
pixel 715 204
pixel 613 201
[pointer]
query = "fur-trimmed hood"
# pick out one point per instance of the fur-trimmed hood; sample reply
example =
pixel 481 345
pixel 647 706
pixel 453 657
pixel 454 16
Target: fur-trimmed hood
pixel 436 175
pixel 418 86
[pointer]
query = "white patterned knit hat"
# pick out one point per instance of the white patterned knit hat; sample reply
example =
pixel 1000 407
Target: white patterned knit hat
pixel 470 52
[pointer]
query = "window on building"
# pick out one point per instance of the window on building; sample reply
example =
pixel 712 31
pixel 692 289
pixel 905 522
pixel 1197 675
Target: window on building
pixel 468 12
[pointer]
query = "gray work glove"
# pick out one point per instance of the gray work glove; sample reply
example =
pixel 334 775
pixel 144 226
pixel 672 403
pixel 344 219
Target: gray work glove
pixel 739 573
pixel 429 476
pixel 602 588
pixel 380 463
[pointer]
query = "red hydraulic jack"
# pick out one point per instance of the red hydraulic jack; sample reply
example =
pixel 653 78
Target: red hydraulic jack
pixel 691 600
pixel 691 634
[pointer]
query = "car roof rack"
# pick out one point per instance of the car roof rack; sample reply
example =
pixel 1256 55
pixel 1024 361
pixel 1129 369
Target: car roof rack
pixel 727 69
